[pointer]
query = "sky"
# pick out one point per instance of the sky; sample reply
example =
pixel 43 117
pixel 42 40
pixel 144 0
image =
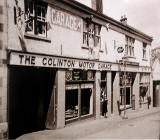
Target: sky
pixel 143 15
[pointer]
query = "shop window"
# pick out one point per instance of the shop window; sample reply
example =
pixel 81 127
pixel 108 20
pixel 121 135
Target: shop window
pixel 86 101
pixel 79 101
pixel 79 94
pixel 127 98
pixel 126 79
pixel 144 50
pixel 144 87
pixel 91 35
pixel 129 47
pixel 71 110
pixel 79 75
pixel 36 18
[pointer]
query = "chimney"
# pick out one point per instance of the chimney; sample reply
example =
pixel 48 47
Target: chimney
pixel 97 5
pixel 123 19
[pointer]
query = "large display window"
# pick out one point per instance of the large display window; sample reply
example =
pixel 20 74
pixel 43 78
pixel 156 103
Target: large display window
pixel 79 94
pixel 144 88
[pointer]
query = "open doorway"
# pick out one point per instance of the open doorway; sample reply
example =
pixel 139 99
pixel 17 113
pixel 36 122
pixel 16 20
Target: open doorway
pixel 30 91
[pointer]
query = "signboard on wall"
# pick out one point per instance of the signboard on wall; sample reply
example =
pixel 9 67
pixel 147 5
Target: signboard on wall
pixel 64 19
pixel 26 59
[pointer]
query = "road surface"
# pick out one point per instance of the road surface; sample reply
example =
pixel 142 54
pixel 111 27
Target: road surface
pixel 147 127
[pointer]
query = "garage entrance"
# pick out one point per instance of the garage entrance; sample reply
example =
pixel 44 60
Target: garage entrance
pixel 30 90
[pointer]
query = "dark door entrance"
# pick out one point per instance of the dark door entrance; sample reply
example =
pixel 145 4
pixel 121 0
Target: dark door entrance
pixel 29 97
pixel 156 93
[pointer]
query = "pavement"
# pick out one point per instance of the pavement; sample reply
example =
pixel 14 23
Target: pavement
pixel 87 127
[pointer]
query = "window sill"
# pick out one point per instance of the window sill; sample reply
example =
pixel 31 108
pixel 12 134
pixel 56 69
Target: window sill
pixel 128 56
pixel 143 59
pixel 36 37
pixel 87 48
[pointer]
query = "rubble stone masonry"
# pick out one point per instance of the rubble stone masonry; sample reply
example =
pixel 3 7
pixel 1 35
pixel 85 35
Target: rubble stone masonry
pixel 3 70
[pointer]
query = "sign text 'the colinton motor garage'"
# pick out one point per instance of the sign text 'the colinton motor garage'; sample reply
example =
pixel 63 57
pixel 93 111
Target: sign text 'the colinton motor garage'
pixel 55 62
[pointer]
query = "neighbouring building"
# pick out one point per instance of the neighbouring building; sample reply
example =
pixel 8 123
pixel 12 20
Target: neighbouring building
pixel 155 59
pixel 58 57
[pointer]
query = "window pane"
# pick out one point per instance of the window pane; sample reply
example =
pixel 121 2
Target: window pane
pixel 85 38
pixel 71 107
pixel 43 12
pixel 41 27
pixel 86 101
pixel 39 11
pixel 31 7
pixel 29 27
pixel 84 26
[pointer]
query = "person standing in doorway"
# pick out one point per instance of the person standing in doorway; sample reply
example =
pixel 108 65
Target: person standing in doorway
pixel 105 101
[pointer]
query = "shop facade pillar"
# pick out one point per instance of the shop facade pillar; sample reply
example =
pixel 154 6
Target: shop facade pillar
pixel 136 90
pixel 109 91
pixel 3 70
pixel 151 89
pixel 60 93
pixel 116 93
pixel 97 94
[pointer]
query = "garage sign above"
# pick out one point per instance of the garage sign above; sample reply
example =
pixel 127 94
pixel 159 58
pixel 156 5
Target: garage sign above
pixel 25 59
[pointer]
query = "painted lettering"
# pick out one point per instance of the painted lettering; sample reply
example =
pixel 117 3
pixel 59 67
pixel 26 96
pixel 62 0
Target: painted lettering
pixel 21 57
pixel 66 20
pixel 44 61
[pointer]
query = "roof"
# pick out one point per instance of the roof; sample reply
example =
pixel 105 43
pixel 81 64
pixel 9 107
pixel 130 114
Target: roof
pixel 90 11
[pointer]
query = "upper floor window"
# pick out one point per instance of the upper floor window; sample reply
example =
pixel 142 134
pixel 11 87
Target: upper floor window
pixel 36 19
pixel 129 47
pixel 144 50
pixel 91 35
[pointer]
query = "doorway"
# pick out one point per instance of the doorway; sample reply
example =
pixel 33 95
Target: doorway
pixel 156 93
pixel 30 91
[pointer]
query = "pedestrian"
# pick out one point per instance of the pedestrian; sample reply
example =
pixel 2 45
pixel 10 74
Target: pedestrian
pixel 149 100
pixel 105 110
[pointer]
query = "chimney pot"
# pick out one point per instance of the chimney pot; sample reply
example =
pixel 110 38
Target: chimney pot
pixel 123 19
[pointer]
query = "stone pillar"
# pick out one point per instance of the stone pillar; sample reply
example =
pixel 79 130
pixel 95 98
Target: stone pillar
pixel 151 89
pixel 97 94
pixel 109 91
pixel 136 90
pixel 3 70
pixel 60 93
pixel 116 93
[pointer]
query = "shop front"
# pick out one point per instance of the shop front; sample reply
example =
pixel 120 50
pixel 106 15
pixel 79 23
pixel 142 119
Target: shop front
pixel 144 94
pixel 48 87
pixel 127 97
pixel 79 94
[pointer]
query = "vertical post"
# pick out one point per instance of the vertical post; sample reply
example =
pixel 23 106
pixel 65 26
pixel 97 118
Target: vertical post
pixel 124 90
pixel 109 91
pixel 60 91
pixel 97 94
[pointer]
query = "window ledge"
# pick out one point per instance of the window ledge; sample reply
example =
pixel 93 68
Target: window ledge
pixel 87 48
pixel 143 59
pixel 128 56
pixel 36 37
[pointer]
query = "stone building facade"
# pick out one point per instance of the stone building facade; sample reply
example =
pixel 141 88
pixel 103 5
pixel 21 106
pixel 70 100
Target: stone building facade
pixel 58 59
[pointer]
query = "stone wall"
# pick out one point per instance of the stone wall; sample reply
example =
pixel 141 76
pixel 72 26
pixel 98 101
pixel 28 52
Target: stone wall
pixel 3 70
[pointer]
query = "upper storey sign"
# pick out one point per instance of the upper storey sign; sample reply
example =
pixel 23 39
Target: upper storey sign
pixel 65 19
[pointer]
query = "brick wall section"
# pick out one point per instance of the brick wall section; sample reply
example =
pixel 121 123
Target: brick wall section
pixel 3 70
